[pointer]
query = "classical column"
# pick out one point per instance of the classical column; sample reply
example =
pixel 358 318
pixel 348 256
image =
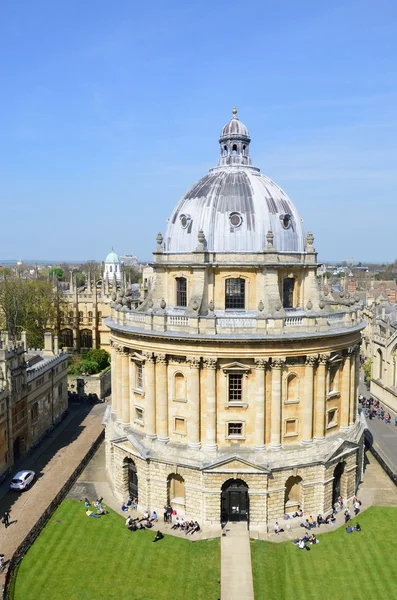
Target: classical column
pixel 319 415
pixel 275 427
pixel 210 366
pixel 119 353
pixel 345 392
pixel 194 403
pixel 308 400
pixel 125 386
pixel 162 397
pixel 150 396
pixel 113 375
pixel 354 374
pixel 260 400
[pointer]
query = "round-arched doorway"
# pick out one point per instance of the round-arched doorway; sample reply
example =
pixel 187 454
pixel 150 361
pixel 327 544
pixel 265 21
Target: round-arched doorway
pixel 234 501
pixel 336 486
pixel 132 477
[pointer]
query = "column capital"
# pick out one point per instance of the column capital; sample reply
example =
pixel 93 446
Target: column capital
pixel 278 363
pixel 210 362
pixel 323 359
pixel 119 348
pixel 194 362
pixel 311 360
pixel 125 351
pixel 148 356
pixel 260 363
pixel 162 359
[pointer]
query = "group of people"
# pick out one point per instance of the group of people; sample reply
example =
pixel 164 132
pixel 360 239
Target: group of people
pixel 189 527
pixel 145 522
pixel 130 504
pixel 99 508
pixel 306 539
pixel 373 409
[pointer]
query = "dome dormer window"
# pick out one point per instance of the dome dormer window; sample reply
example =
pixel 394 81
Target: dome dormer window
pixel 235 219
pixel 185 220
pixel 286 221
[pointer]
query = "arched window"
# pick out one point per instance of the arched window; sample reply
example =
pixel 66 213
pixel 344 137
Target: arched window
pixel 234 150
pixel 181 291
pixel 293 494
pixel 380 364
pixel 85 338
pixel 333 378
pixel 235 294
pixel 66 338
pixel 292 388
pixel 225 151
pixel 179 387
pixel 244 150
pixel 111 269
pixel 288 292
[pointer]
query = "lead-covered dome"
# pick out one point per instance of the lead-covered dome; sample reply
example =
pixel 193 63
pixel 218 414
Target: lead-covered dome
pixel 235 205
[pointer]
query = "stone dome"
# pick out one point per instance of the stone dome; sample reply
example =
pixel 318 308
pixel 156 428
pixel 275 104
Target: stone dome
pixel 235 206
pixel 112 257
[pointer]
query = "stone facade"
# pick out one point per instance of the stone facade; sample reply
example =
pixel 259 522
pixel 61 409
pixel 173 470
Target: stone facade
pixel 33 396
pixel 234 382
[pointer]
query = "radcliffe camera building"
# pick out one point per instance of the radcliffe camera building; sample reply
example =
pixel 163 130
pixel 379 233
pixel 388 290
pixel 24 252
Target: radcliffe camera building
pixel 235 380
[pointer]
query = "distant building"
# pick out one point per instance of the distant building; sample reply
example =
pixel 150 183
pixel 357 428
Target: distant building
pixel 128 260
pixel 33 395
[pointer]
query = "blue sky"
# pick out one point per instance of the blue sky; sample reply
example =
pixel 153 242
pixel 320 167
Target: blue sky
pixel 109 112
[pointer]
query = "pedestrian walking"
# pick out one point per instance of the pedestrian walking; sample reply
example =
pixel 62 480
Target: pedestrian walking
pixel 6 519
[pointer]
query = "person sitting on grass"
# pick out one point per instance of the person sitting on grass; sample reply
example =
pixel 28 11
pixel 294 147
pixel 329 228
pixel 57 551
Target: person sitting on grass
pixel 87 503
pixel 302 545
pixel 128 522
pixel 313 539
pixel 349 529
pixel 148 524
pixel 159 536
pixel 89 513
pixel 357 527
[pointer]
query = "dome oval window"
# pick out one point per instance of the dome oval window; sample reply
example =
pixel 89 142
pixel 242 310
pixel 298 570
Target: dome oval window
pixel 185 220
pixel 286 221
pixel 235 219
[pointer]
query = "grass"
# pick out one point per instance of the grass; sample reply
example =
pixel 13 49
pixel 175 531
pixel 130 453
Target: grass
pixel 343 566
pixel 80 558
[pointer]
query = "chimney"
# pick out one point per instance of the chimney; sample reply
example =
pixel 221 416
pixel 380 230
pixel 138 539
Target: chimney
pixel 56 345
pixel 24 339
pixel 48 343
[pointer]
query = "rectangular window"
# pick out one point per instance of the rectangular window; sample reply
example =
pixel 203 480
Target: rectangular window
pixel 235 429
pixel 139 414
pixel 181 291
pixel 291 427
pixel 235 294
pixel 180 425
pixel 333 378
pixel 235 387
pixel 139 376
pixel 60 390
pixel 332 417
pixel 288 292
pixel 34 412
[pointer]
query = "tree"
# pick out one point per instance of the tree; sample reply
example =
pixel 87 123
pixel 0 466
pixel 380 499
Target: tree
pixel 367 368
pixel 29 305
pixel 58 272
pixel 133 274
pixel 100 356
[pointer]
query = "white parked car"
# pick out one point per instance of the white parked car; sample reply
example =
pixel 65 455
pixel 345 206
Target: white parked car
pixel 22 480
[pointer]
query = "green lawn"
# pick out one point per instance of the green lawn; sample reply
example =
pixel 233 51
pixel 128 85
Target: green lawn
pixel 342 567
pixel 80 558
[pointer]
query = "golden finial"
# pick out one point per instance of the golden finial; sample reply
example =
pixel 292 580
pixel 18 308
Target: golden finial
pixel 234 111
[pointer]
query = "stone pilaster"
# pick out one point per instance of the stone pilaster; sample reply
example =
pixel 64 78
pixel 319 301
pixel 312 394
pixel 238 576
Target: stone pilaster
pixel 308 400
pixel 125 386
pixel 150 396
pixel 275 420
pixel 194 403
pixel 345 392
pixel 210 366
pixel 354 374
pixel 260 368
pixel 319 415
pixel 162 397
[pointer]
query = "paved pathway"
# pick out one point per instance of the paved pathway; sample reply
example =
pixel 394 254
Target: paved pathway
pixel 54 461
pixel 236 570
